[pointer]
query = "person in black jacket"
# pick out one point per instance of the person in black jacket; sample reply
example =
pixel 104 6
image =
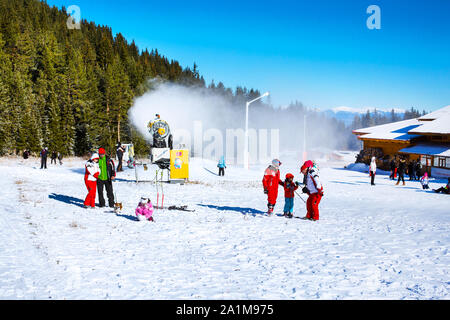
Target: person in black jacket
pixel 26 154
pixel 53 157
pixel 418 167
pixel 412 170
pixel 44 154
pixel 119 153
pixel 105 179
pixel 393 167
pixel 401 171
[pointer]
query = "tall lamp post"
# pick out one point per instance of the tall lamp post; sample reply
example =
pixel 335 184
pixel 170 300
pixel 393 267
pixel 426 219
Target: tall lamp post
pixel 246 128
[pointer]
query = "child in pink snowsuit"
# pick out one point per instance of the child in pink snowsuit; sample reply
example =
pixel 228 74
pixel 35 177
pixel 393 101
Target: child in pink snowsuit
pixel 144 210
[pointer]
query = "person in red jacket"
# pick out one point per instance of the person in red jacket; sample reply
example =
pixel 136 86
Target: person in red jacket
pixel 92 171
pixel 270 183
pixel 289 189
pixel 313 188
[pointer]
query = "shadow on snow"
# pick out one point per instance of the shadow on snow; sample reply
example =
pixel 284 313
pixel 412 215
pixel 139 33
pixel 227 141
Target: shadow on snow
pixel 67 199
pixel 244 211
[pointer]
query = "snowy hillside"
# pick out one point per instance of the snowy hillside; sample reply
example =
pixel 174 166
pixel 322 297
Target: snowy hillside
pixel 371 242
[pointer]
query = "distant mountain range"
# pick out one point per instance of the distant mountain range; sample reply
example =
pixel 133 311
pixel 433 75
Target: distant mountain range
pixel 347 114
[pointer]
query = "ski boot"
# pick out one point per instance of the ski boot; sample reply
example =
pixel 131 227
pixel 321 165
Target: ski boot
pixel 270 209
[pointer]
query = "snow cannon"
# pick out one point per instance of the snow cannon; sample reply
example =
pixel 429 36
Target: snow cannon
pixel 162 142
pixel 173 164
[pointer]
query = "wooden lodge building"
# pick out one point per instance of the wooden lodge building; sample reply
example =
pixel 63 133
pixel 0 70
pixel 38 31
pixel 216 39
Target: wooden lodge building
pixel 426 139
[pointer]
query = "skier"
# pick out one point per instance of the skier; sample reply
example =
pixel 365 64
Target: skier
pixel 119 153
pixel 60 158
pixel 424 181
pixel 107 175
pixel 44 154
pixel 445 190
pixel 313 188
pixel 373 170
pixel 401 171
pixel 270 183
pixel 289 189
pixel 92 171
pixel 53 157
pixel 144 210
pixel 221 165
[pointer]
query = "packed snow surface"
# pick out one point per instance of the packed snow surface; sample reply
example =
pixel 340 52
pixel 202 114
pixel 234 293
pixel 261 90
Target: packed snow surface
pixel 371 242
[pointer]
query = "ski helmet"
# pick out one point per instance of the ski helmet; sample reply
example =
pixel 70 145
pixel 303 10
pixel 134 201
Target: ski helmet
pixel 289 176
pixel 276 163
pixel 306 165
pixel 95 156
pixel 101 151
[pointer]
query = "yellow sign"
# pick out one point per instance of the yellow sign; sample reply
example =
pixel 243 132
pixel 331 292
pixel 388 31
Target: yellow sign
pixel 179 164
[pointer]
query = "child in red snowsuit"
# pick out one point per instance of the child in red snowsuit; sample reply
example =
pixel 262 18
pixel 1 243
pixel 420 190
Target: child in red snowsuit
pixel 90 179
pixel 270 183
pixel 313 188
pixel 289 189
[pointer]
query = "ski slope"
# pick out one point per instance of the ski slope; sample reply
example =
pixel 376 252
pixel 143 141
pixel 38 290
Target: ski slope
pixel 371 242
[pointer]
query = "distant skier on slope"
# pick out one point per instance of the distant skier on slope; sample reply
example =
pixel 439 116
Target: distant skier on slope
pixel 289 189
pixel 222 166
pixel 313 188
pixel 44 154
pixel 270 183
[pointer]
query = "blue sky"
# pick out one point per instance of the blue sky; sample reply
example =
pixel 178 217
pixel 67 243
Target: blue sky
pixel 318 52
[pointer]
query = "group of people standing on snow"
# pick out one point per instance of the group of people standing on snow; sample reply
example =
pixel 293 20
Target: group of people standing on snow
pixel 400 168
pixel 312 187
pixel 99 174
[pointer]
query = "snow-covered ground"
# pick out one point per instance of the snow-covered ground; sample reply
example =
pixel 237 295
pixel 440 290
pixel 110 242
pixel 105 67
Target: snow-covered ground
pixel 371 242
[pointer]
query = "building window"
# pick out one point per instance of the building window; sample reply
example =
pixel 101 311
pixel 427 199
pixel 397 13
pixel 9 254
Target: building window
pixel 448 163
pixel 426 160
pixel 442 162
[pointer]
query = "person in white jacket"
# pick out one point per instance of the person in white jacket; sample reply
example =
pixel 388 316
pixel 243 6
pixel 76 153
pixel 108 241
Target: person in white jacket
pixel 373 170
pixel 314 189
pixel 92 171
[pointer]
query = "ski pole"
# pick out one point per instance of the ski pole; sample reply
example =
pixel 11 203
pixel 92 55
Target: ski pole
pixel 162 190
pixel 300 196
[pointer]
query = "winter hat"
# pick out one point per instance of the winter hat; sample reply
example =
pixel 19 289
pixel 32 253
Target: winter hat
pixel 425 174
pixel 276 163
pixel 307 164
pixel 289 176
pixel 94 156
pixel 101 151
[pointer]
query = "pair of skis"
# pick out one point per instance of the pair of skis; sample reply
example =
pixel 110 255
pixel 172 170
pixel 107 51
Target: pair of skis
pixel 159 183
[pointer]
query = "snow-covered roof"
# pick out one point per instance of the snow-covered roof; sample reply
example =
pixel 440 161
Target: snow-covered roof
pixel 392 131
pixel 429 149
pixel 436 114
pixel 437 122
pixel 441 125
